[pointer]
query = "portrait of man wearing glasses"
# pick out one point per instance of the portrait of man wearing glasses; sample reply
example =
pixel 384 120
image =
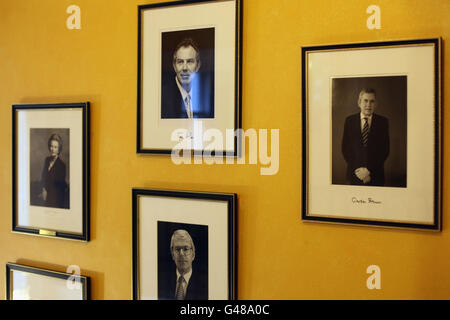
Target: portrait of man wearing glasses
pixel 182 281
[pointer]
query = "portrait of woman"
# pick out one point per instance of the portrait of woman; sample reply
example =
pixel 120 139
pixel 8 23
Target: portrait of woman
pixel 53 179
pixel 49 160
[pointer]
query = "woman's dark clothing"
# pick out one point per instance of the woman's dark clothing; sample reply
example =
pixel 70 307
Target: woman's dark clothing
pixel 54 181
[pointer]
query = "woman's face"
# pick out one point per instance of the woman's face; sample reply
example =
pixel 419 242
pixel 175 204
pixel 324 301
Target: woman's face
pixel 54 148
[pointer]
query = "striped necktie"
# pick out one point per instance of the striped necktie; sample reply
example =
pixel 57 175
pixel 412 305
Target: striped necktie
pixel 365 132
pixel 180 288
pixel 187 101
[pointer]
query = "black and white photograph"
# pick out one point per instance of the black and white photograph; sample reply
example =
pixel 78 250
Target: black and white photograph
pixel 182 261
pixel 189 75
pixel 371 146
pixel 184 245
pixel 50 178
pixel 49 167
pixel 369 118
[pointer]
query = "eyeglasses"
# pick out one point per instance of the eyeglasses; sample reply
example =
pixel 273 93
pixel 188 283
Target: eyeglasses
pixel 186 250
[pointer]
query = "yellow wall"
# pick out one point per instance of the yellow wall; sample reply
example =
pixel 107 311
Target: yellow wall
pixel 41 61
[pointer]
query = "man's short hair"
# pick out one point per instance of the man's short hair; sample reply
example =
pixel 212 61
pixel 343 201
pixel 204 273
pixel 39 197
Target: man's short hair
pixel 187 42
pixel 366 90
pixel 183 234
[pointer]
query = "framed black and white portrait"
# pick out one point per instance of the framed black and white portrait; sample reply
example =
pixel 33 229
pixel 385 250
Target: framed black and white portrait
pixel 188 76
pixel 183 245
pixel 31 283
pixel 51 170
pixel 371 133
pixel 389 120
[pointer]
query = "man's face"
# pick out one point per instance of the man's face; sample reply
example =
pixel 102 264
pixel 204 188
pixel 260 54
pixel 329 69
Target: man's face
pixel 183 254
pixel 186 64
pixel 367 104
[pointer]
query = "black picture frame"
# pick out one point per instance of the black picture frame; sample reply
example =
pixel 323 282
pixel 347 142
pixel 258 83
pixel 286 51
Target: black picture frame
pixel 148 114
pixel 346 202
pixel 46 274
pixel 223 220
pixel 76 116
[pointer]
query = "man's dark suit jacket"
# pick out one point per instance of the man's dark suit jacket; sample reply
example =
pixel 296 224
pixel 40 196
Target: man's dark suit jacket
pixel 197 288
pixel 373 155
pixel 54 181
pixel 172 105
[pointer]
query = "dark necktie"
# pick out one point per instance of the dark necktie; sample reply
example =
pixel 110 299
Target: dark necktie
pixel 180 290
pixel 365 132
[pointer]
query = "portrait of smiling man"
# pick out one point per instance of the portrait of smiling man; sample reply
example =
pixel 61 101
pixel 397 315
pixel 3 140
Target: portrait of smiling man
pixel 187 89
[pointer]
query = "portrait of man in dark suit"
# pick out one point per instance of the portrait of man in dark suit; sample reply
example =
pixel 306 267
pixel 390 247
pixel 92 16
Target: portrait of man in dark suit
pixel 365 142
pixel 184 275
pixel 187 88
pixel 369 131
